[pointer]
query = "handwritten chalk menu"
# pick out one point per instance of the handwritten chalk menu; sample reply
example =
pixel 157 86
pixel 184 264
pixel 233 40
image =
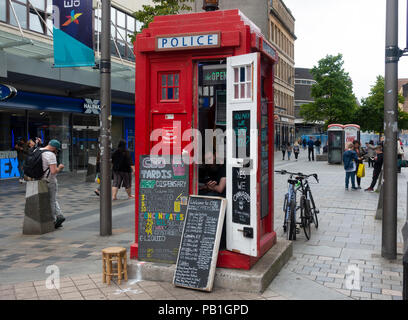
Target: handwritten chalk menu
pixel 241 196
pixel 264 159
pixel 200 243
pixel 163 197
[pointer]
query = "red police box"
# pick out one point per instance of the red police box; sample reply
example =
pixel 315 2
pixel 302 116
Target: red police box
pixel 213 70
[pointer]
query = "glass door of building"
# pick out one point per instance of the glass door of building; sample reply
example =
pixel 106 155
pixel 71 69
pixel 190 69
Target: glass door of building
pixel 85 145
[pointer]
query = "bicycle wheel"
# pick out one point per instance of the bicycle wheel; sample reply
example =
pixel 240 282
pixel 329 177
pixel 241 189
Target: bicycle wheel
pixel 314 211
pixel 292 221
pixel 305 217
pixel 285 210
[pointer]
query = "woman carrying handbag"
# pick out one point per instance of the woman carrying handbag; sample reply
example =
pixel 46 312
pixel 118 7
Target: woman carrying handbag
pixel 360 170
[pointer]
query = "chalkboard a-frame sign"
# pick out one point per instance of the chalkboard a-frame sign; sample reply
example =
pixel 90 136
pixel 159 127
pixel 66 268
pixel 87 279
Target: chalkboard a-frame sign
pixel 200 242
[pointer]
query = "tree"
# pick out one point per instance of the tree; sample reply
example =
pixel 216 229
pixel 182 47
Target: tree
pixel 160 8
pixel 370 115
pixel 334 101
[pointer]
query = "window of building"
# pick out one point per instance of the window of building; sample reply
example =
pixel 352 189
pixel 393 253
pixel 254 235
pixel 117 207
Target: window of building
pixel 170 86
pixel 124 26
pixel 20 9
pixel 3 10
pixel 243 82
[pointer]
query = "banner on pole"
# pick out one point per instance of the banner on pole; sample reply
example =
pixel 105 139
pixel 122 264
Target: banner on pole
pixel 73 37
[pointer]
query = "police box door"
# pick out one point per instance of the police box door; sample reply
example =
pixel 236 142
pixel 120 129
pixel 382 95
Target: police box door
pixel 242 153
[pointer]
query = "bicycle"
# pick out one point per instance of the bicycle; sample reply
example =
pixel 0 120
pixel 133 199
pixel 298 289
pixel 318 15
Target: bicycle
pixel 307 207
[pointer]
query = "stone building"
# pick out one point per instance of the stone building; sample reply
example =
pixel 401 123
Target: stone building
pixel 303 89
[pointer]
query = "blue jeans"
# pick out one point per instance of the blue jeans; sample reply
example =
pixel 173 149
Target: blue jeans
pixel 21 168
pixel 352 176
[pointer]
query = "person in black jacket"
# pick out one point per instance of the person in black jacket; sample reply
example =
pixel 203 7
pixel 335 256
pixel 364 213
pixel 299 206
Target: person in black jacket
pixel 122 169
pixel 378 162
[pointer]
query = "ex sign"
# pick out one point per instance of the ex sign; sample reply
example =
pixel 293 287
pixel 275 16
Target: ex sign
pixel 188 41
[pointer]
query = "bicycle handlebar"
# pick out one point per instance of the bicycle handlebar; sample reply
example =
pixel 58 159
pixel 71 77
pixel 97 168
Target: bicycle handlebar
pixel 299 174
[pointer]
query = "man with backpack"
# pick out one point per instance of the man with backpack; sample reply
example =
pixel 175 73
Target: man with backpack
pixel 41 164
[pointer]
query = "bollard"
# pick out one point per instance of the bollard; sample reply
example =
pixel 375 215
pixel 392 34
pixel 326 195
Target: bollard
pixel 379 213
pixel 405 258
pixel 37 213
pixel 380 181
pixel 405 277
pixel 91 170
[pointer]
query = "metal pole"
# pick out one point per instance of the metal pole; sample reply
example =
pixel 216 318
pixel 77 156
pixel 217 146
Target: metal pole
pixel 389 226
pixel 106 117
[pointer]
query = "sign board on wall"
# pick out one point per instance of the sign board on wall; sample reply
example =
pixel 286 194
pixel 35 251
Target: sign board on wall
pixel 7 92
pixel 351 133
pixel 200 243
pixel 188 41
pixel 8 165
pixel 163 198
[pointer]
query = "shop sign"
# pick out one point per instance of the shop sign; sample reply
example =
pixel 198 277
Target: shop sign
pixel 7 92
pixel 92 106
pixel 8 164
pixel 212 76
pixel 268 49
pixel 188 41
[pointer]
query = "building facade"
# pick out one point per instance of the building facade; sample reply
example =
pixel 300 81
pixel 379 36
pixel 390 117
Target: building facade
pixel 282 35
pixel 303 88
pixel 63 103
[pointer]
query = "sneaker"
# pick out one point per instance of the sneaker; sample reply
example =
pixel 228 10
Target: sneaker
pixel 59 221
pixel 358 187
pixel 369 190
pixel 354 188
pixel 346 188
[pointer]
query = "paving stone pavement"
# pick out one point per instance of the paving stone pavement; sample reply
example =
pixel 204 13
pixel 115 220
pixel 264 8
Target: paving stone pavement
pixel 348 241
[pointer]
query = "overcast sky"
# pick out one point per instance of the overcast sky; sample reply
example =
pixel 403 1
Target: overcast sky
pixel 355 28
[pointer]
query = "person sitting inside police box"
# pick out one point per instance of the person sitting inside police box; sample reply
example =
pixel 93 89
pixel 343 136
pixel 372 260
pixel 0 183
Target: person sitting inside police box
pixel 213 182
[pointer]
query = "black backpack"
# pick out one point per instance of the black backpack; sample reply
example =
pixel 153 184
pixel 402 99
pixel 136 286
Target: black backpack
pixel 33 166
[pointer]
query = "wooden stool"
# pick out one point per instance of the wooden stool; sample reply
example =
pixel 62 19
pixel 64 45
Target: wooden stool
pixel 117 254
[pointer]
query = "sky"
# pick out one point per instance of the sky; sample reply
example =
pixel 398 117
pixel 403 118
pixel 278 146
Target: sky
pixel 355 28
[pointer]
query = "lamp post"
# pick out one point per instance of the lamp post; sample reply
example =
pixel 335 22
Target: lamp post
pixel 210 5
pixel 105 137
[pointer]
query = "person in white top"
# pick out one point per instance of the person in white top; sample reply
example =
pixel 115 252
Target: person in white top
pixel 51 169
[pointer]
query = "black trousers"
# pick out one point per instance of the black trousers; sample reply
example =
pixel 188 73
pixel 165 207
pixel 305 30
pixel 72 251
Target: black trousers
pixel 283 154
pixel 311 150
pixel 296 155
pixel 376 174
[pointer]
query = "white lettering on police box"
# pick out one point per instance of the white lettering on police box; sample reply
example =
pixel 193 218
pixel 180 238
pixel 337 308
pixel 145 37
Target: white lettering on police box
pixel 193 41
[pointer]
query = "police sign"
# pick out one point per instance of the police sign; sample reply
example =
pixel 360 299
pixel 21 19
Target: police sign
pixel 7 92
pixel 188 41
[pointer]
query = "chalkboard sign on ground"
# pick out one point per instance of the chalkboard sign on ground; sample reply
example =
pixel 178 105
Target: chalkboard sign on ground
pixel 163 197
pixel 200 243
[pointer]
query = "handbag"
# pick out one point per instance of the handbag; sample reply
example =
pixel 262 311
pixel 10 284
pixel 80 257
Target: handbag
pixel 361 171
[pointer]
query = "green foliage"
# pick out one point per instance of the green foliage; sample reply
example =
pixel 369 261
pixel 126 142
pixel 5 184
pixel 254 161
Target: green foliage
pixel 370 115
pixel 334 101
pixel 160 8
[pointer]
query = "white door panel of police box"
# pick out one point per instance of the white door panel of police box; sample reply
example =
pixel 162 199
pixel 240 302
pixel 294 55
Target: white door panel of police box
pixel 242 152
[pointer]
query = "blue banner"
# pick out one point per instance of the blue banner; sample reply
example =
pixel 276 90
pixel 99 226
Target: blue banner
pixel 73 36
